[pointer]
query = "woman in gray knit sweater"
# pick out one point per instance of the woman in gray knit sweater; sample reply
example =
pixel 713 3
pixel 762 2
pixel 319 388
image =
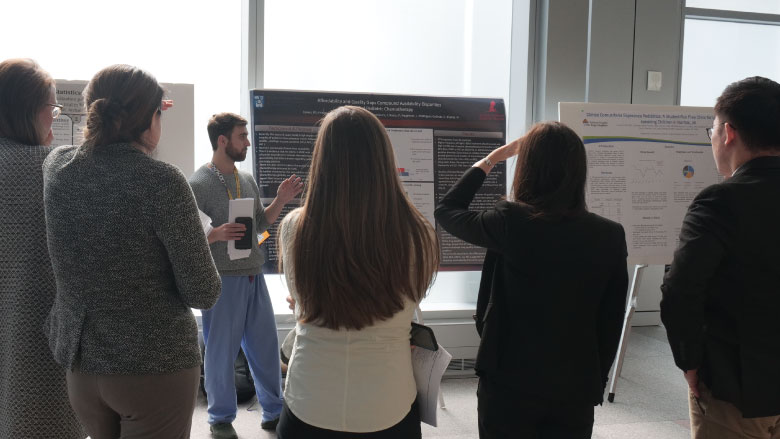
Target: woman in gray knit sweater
pixel 130 259
pixel 33 398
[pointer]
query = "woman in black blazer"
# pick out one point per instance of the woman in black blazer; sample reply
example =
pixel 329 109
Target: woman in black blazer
pixel 553 289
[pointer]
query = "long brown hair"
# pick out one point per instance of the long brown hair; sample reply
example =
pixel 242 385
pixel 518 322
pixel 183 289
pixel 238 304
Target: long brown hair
pixel 360 246
pixel 551 171
pixel 24 90
pixel 121 101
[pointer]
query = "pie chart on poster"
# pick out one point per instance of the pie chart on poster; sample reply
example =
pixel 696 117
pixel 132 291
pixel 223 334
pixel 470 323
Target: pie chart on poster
pixel 688 171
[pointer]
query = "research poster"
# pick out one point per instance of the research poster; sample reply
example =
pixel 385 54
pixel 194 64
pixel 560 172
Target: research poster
pixel 435 139
pixel 68 127
pixel 646 163
pixel 177 137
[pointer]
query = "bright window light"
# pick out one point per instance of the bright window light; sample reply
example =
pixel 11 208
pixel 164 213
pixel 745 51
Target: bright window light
pixel 432 47
pixel 193 42
pixel 718 53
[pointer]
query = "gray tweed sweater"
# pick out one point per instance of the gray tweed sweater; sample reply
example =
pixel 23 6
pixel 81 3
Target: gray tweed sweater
pixel 130 259
pixel 213 201
pixel 33 397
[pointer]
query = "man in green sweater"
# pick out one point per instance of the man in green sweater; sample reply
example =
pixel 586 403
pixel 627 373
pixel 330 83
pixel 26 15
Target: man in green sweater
pixel 243 316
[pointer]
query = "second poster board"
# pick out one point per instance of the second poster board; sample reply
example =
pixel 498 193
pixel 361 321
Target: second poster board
pixel 646 163
pixel 435 139
pixel 178 129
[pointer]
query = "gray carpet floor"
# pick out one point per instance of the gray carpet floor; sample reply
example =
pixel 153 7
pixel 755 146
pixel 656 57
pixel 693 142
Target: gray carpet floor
pixel 650 401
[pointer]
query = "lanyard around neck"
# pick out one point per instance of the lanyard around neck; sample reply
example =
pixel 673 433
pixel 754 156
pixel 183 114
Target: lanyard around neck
pixel 222 180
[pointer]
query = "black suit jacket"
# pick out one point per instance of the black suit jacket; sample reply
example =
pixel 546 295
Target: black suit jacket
pixel 721 296
pixel 552 295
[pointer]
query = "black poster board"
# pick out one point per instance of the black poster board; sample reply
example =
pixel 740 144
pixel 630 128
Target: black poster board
pixel 435 140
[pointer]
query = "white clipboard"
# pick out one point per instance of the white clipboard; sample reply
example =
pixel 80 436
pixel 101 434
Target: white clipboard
pixel 236 208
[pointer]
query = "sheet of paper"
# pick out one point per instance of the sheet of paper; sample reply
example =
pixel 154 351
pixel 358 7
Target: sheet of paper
pixel 236 208
pixel 205 222
pixel 428 367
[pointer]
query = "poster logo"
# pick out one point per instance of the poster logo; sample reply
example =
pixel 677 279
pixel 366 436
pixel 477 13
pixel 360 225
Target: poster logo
pixel 592 123
pixel 259 101
pixel 492 113
pixel 402 172
pixel 688 171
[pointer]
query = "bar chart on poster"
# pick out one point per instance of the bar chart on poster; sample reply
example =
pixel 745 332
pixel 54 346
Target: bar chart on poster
pixel 435 139
pixel 646 163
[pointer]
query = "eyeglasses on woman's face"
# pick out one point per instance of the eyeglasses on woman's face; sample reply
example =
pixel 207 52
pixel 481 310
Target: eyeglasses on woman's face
pixel 56 110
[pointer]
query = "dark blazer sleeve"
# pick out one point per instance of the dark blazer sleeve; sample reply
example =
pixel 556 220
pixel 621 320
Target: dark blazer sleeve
pixel 707 228
pixel 612 309
pixel 485 229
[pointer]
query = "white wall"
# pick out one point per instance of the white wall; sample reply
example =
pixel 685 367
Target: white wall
pixel 177 142
pixel 657 44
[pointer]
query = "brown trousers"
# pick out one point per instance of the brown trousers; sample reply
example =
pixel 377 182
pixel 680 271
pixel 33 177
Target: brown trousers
pixel 712 418
pixel 135 406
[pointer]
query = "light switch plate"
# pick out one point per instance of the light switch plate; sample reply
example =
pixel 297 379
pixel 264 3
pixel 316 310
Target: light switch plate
pixel 653 80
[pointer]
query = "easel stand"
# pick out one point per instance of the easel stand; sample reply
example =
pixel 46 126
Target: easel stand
pixel 418 315
pixel 630 308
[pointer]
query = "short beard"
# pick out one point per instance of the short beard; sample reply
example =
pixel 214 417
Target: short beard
pixel 235 155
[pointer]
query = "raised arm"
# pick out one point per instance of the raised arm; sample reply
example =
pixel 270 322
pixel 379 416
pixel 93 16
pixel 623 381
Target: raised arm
pixel 288 189
pixel 487 228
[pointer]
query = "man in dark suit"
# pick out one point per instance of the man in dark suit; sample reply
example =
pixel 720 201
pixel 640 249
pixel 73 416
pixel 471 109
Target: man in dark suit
pixel 722 294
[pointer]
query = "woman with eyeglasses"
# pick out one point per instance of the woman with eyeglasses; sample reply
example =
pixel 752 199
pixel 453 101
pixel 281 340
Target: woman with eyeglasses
pixel 130 259
pixel 33 397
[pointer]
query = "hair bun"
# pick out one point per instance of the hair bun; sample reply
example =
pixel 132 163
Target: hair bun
pixel 121 100
pixel 106 108
pixel 104 115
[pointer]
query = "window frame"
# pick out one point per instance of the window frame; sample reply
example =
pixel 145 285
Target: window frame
pixel 522 84
pixel 721 15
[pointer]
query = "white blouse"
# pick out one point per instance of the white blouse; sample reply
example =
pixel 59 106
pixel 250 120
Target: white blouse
pixel 347 380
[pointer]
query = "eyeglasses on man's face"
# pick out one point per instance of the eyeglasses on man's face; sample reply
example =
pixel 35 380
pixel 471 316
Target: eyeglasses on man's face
pixel 709 129
pixel 56 110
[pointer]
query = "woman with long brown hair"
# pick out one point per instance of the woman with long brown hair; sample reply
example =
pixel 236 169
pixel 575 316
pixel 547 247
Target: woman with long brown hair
pixel 552 295
pixel 358 258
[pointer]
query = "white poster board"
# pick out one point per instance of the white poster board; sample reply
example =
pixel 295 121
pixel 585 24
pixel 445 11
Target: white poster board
pixel 646 163
pixel 176 144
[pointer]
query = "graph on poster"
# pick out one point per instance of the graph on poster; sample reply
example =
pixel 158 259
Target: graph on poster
pixel 646 163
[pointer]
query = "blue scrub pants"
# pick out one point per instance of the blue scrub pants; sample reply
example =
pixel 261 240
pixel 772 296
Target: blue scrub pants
pixel 243 316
